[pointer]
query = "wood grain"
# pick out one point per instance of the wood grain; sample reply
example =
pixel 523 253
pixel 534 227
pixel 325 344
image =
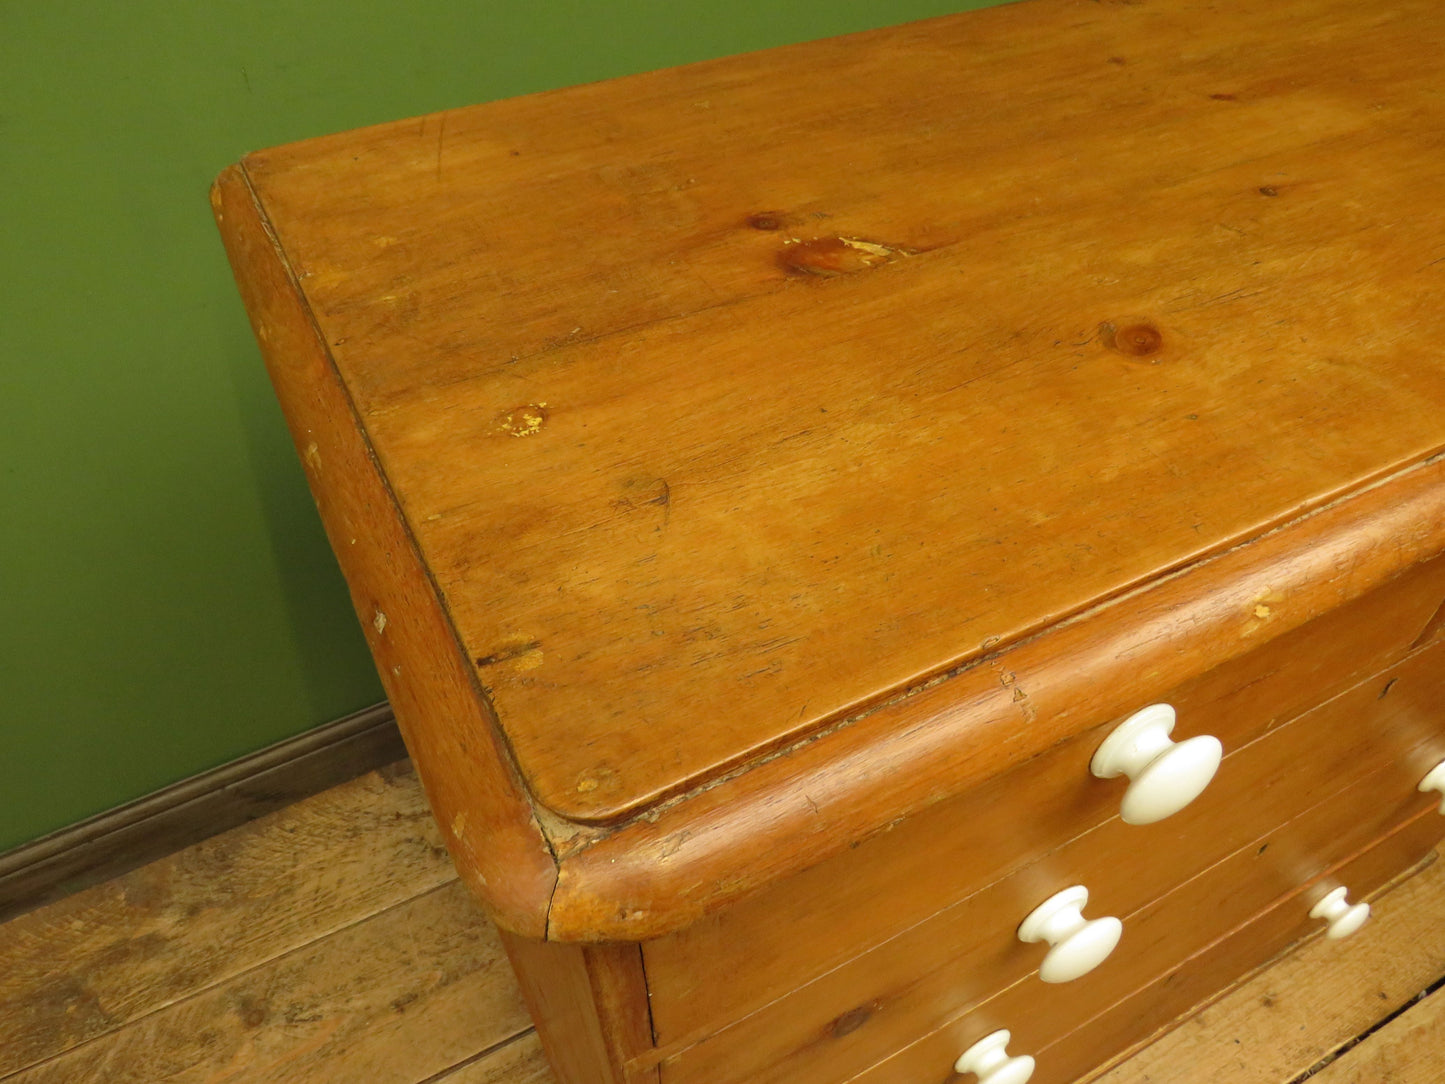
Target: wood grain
pixel 392 1000
pixel 814 921
pixel 1146 299
pixel 1294 1013
pixel 91 964
pixel 448 726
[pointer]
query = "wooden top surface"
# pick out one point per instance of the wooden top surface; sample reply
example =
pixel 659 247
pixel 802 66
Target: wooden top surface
pixel 725 400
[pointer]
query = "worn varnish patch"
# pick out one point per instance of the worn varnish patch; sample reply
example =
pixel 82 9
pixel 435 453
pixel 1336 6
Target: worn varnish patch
pixel 829 256
pixel 523 421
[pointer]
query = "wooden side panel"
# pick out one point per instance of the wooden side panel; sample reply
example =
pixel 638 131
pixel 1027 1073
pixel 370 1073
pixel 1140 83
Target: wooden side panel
pixel 661 872
pixel 474 791
pixel 806 924
pixel 1055 1024
pixel 590 1007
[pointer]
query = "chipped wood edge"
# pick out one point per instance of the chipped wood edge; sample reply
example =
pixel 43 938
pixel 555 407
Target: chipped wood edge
pixel 465 769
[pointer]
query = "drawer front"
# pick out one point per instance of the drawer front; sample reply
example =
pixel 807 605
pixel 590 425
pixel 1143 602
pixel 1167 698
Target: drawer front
pixel 1392 720
pixel 1067 1034
pixel 877 1003
pixel 772 942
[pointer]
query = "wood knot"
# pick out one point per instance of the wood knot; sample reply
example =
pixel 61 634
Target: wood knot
pixel 252 1013
pixel 852 1020
pixel 766 220
pixel 1137 340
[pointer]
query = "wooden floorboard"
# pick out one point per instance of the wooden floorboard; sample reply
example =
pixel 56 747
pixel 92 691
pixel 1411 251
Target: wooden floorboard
pixel 97 962
pixel 330 942
pixel 398 998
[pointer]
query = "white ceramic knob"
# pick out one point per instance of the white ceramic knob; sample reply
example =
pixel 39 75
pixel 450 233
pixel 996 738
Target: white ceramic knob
pixel 988 1060
pixel 1077 945
pixel 1164 776
pixel 1343 919
pixel 1435 780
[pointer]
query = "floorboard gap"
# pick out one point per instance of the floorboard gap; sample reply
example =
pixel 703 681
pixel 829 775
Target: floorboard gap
pixel 478 1056
pixel 1335 1055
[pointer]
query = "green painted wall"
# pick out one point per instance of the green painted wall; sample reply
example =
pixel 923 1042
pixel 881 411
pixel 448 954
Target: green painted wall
pixel 167 600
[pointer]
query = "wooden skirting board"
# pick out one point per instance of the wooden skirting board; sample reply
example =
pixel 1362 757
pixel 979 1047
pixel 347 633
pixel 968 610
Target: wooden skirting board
pixel 331 942
pixel 128 836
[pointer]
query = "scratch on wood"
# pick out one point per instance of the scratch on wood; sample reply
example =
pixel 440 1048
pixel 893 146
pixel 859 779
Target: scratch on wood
pixel 664 498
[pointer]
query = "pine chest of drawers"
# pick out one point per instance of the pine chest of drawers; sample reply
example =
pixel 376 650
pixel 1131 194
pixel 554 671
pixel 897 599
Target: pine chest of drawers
pixel 765 485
